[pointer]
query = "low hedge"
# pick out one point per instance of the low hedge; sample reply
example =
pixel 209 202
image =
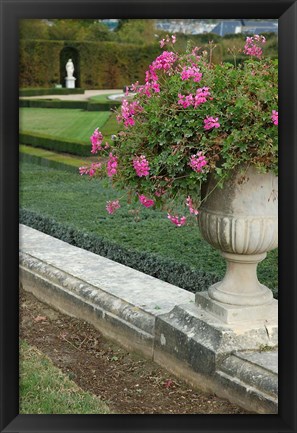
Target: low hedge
pixel 50 91
pixel 83 105
pixel 181 275
pixel 57 144
pixel 47 103
pixel 45 162
pixel 167 270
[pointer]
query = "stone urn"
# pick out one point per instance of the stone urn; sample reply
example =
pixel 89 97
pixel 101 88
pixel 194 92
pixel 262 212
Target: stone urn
pixel 241 220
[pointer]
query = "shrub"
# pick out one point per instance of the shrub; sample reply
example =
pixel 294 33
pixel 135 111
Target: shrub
pixel 49 91
pixel 57 144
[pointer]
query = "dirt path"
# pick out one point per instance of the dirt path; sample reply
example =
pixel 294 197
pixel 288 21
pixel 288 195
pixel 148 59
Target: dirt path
pixel 128 383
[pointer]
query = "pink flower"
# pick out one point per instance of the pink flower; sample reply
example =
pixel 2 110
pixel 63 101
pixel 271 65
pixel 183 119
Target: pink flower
pixel 195 100
pixel 165 61
pixel 90 170
pixel 211 122
pixel 185 100
pixel 94 167
pixel 128 112
pixel 189 203
pixel 163 42
pixel 112 164
pixel 96 140
pixel 176 220
pixel 252 47
pixel 274 117
pixel 83 170
pixel 146 201
pixel 201 95
pixel 191 72
pixel 197 162
pixel 112 206
pixel 141 166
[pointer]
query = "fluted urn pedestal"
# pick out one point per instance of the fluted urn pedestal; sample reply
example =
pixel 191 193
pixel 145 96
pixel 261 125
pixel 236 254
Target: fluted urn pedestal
pixel 241 220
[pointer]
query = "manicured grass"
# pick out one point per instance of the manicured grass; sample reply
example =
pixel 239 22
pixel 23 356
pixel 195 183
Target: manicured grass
pixel 80 202
pixel 44 389
pixel 72 124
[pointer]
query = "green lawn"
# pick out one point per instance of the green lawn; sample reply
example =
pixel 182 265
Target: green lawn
pixel 80 202
pixel 65 123
pixel 44 389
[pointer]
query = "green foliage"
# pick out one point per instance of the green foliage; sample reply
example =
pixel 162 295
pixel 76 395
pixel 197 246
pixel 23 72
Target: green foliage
pixel 98 32
pixel 46 158
pixel 135 31
pixel 44 389
pixel 57 144
pixel 53 103
pixel 242 98
pixel 33 29
pixel 67 30
pixel 56 103
pixel 50 91
pixel 102 65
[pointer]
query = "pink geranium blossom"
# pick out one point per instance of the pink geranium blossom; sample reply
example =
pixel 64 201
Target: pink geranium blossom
pixel 274 117
pixel 128 111
pixel 96 140
pixel 201 96
pixel 112 164
pixel 146 201
pixel 165 61
pixel 167 40
pixel 190 205
pixel 197 162
pixel 194 100
pixel 178 221
pixel 191 72
pixel 185 100
pixel 141 166
pixel 252 47
pixel 112 206
pixel 90 170
pixel 211 122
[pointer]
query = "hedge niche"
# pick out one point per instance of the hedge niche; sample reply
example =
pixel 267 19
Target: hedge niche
pixel 100 65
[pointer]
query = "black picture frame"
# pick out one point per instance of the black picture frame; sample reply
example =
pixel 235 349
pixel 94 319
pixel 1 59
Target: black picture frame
pixel 14 10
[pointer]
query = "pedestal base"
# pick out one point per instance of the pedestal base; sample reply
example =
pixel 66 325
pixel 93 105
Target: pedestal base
pixel 240 286
pixel 240 314
pixel 70 82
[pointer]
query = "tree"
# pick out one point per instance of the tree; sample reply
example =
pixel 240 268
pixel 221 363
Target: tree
pixel 98 31
pixel 33 29
pixel 67 30
pixel 136 31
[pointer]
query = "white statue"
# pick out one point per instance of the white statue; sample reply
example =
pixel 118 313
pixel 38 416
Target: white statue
pixel 69 68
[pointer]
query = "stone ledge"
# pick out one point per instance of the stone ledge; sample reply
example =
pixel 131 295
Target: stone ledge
pixel 155 318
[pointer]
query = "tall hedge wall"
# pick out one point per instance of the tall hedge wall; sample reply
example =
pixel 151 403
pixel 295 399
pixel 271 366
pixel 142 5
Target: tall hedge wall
pixel 102 65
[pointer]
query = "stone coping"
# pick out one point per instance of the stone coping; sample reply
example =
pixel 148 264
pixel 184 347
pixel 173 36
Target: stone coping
pixel 152 317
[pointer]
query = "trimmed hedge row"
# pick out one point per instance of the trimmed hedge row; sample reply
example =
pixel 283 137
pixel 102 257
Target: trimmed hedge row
pixel 83 105
pixel 57 144
pixel 45 162
pixel 102 65
pixel 50 91
pixel 167 270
